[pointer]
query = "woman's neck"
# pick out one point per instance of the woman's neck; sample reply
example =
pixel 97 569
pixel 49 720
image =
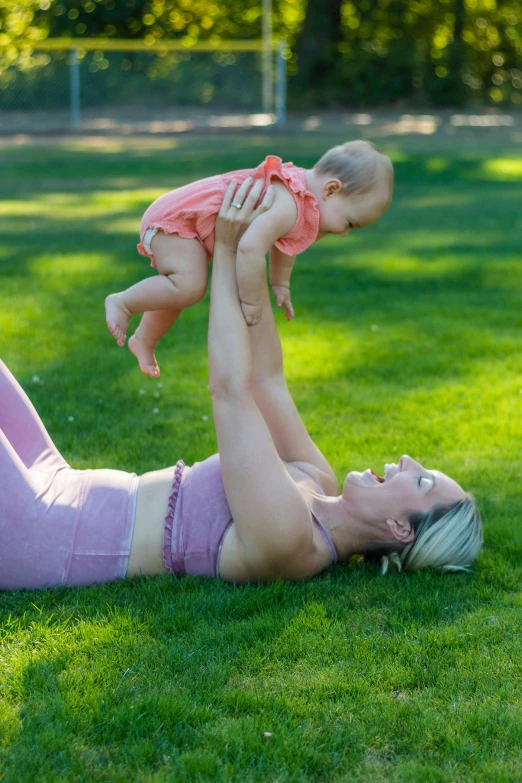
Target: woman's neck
pixel 349 533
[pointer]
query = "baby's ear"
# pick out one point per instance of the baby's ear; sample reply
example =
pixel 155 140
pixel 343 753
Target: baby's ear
pixel 332 187
pixel 401 530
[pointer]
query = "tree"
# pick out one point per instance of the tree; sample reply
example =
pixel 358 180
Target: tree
pixel 317 50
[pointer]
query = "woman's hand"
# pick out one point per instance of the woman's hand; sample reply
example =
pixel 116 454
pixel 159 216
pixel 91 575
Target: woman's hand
pixel 237 211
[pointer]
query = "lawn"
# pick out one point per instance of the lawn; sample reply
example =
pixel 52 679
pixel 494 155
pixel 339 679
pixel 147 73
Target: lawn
pixel 407 339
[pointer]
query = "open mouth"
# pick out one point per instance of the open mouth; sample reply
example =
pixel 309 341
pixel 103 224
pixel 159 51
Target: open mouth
pixel 380 479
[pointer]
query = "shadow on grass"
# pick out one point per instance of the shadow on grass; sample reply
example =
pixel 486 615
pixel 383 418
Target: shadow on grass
pixel 169 662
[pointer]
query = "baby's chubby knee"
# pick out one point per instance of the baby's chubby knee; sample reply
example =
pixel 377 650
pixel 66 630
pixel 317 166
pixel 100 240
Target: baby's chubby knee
pixel 191 287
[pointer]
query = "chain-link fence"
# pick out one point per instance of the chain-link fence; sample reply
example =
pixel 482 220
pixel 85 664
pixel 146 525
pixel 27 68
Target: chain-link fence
pixel 94 88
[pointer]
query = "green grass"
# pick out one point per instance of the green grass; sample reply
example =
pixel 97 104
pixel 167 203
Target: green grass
pixel 407 338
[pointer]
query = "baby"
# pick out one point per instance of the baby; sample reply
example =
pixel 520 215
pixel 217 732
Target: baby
pixel 350 187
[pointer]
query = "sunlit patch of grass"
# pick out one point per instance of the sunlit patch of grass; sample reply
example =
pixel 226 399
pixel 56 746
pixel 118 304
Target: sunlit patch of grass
pixel 315 354
pixel 77 268
pixel 109 146
pixel 503 168
pixel 438 164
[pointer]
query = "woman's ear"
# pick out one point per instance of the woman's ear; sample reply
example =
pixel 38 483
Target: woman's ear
pixel 401 530
pixel 332 187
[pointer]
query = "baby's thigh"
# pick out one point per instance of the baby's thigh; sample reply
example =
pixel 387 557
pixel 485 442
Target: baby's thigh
pixel 175 255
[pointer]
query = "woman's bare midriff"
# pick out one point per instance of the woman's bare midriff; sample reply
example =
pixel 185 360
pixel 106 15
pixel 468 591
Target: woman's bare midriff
pixel 152 500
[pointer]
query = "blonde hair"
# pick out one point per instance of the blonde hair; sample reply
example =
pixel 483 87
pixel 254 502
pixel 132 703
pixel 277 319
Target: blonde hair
pixel 447 538
pixel 356 165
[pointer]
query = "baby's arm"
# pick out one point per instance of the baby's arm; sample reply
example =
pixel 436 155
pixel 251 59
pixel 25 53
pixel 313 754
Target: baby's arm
pixel 255 244
pixel 281 267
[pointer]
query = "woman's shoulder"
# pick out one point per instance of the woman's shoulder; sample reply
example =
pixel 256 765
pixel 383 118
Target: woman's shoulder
pixel 305 472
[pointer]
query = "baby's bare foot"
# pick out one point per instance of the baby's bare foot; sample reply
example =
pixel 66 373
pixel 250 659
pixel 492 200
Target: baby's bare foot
pixel 144 353
pixel 117 317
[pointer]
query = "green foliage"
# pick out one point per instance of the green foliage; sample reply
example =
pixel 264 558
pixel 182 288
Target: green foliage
pixel 19 19
pixel 383 51
pixel 155 20
pixel 395 50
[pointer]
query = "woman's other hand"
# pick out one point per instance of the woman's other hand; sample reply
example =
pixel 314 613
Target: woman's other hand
pixel 237 211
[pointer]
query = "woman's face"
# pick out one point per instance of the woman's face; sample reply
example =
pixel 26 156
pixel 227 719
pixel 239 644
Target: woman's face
pixel 404 488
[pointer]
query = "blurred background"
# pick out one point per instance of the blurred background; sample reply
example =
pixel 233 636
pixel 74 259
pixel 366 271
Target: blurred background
pixel 135 64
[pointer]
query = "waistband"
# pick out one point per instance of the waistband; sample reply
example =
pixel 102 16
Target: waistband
pixel 104 527
pixel 178 567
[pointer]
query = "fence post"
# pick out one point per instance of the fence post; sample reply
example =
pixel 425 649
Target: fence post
pixel 75 90
pixel 268 85
pixel 281 70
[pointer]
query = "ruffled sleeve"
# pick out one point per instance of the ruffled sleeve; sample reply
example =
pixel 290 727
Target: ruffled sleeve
pixel 306 227
pixel 169 519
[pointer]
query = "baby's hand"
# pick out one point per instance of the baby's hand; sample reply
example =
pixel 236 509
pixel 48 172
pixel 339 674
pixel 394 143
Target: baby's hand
pixel 282 295
pixel 252 313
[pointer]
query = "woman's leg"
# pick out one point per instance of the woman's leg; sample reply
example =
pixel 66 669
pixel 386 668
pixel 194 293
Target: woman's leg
pixel 37 520
pixel 23 427
pixel 182 281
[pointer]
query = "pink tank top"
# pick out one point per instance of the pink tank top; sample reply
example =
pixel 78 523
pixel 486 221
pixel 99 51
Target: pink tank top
pixel 191 210
pixel 198 519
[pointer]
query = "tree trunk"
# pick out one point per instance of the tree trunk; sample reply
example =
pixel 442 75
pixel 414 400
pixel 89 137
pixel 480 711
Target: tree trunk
pixel 317 45
pixel 457 56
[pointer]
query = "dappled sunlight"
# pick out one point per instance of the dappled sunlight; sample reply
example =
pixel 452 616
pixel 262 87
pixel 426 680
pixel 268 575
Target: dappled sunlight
pixel 119 225
pixel 74 268
pixel 503 168
pixel 404 339
pixel 109 145
pixel 445 201
pixel 416 266
pixel 69 206
pixel 438 164
pixel 317 352
pixel 443 417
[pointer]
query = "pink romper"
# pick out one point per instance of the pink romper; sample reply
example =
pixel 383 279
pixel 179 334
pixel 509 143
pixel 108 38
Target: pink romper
pixel 191 210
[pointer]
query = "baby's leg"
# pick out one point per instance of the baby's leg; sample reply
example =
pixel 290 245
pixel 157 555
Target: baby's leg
pixel 153 326
pixel 24 428
pixel 182 281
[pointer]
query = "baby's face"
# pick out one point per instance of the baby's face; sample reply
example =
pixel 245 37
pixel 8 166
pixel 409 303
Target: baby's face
pixel 339 213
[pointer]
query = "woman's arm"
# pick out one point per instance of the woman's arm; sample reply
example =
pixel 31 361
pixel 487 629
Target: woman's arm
pixel 255 244
pixel 275 402
pixel 272 520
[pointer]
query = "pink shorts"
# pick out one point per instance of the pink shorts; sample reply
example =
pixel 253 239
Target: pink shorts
pixel 58 526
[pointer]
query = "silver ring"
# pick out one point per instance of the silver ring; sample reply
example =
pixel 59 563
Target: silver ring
pixel 237 206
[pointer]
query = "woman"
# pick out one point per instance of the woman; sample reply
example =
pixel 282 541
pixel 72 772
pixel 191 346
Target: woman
pixel 268 506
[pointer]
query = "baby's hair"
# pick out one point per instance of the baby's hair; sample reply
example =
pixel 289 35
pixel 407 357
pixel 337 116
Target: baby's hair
pixel 356 165
pixel 447 538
